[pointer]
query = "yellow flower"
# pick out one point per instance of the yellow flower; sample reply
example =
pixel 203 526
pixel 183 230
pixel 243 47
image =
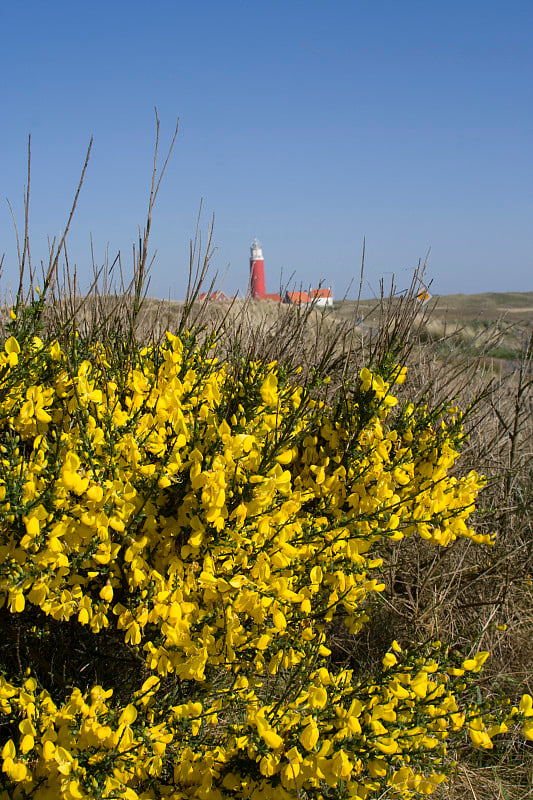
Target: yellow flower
pixel 419 684
pixel 386 744
pixel 526 705
pixel 318 697
pixel 15 770
pixel 267 733
pixel 106 592
pixel 269 390
pixel 309 736
pixel 389 660
pixel 478 734
pixel 12 348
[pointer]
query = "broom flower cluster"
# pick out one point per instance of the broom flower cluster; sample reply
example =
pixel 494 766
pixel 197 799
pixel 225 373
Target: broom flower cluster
pixel 217 522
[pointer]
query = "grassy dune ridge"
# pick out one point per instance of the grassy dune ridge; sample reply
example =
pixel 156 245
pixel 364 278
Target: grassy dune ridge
pixel 498 325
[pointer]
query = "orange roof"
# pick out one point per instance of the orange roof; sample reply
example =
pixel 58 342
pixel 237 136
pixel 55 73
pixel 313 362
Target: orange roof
pixel 218 295
pixel 317 293
pixel 297 297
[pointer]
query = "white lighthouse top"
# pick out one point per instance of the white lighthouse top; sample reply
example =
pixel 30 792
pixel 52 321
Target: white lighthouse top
pixel 256 251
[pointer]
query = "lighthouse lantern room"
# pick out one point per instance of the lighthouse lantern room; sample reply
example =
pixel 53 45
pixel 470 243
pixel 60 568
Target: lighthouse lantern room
pixel 257 271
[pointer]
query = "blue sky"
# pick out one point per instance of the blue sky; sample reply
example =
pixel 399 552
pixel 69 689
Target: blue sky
pixel 310 125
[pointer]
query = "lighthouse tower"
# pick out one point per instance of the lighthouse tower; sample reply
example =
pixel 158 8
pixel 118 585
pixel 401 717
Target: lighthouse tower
pixel 257 271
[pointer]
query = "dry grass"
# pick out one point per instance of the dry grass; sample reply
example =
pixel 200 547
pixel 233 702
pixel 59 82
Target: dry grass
pixel 509 782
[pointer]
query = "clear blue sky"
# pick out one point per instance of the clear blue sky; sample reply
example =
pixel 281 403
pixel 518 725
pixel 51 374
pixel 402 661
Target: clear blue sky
pixel 307 124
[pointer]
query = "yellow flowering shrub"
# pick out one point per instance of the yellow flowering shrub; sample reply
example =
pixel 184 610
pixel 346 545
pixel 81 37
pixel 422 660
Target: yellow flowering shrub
pixel 214 521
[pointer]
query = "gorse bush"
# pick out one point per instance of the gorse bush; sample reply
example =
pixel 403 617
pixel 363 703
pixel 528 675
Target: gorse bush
pixel 212 524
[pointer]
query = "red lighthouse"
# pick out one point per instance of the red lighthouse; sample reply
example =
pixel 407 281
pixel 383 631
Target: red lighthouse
pixel 257 271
